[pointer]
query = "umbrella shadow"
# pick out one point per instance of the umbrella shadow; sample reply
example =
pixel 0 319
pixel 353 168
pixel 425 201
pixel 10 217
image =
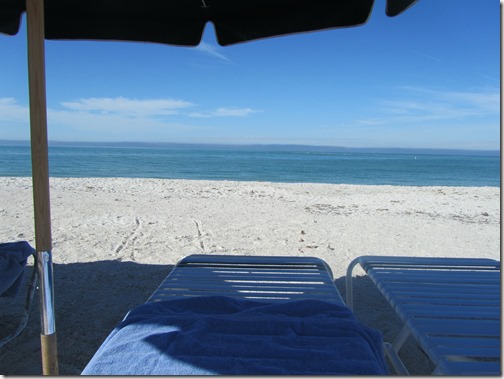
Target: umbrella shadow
pixel 90 300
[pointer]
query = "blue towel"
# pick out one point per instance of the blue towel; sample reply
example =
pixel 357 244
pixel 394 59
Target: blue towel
pixel 13 257
pixel 225 336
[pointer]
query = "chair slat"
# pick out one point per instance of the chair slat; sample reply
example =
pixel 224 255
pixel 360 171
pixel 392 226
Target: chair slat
pixel 472 368
pixel 451 311
pixel 461 327
pixel 467 352
pixel 452 341
pixel 259 278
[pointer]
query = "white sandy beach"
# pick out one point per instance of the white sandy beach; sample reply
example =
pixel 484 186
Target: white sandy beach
pixel 114 240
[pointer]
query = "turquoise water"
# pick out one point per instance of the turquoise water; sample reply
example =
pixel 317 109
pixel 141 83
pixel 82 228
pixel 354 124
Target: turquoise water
pixel 275 164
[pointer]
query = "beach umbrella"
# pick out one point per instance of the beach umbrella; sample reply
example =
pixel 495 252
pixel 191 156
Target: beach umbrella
pixel 174 22
pixel 181 22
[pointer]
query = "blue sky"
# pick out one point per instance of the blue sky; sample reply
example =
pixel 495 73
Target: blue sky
pixel 429 78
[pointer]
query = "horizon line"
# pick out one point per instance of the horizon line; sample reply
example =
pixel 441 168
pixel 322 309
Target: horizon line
pixel 265 145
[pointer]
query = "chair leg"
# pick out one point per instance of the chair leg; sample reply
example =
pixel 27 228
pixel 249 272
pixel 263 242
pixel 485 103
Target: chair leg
pixel 349 285
pixel 392 351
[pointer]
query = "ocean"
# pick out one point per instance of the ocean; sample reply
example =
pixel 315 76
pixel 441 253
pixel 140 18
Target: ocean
pixel 288 164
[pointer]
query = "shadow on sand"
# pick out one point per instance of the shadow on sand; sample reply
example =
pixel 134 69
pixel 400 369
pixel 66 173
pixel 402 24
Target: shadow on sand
pixel 90 299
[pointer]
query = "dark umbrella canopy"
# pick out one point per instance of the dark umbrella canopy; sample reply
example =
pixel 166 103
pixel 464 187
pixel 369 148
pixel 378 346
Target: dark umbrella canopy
pixel 181 22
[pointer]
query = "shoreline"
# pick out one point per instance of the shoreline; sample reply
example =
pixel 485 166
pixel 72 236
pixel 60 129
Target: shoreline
pixel 109 178
pixel 115 239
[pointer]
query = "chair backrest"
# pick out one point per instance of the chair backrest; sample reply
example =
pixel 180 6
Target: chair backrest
pixel 259 278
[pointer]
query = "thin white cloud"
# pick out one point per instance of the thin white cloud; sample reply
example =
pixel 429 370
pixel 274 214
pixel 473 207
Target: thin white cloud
pixel 225 112
pixel 421 104
pixel 234 112
pixel 431 57
pixel 10 110
pixel 485 100
pixel 117 110
pixel 488 98
pixel 114 119
pixel 211 50
pixel 128 107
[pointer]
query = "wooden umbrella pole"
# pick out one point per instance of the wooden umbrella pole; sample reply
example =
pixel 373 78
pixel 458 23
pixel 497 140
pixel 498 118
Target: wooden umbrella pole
pixel 40 175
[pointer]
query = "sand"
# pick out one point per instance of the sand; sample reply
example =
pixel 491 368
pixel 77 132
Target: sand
pixel 114 240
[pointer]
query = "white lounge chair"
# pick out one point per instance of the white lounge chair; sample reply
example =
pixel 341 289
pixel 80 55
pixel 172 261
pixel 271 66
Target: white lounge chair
pixel 451 306
pixel 242 315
